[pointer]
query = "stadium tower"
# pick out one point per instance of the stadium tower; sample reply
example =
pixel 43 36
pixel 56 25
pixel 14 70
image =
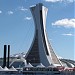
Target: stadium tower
pixel 41 50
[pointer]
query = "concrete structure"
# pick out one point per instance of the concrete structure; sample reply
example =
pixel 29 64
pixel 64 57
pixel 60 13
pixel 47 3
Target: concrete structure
pixel 6 63
pixel 41 50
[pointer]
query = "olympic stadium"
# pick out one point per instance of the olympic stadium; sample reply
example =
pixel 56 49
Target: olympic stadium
pixel 40 56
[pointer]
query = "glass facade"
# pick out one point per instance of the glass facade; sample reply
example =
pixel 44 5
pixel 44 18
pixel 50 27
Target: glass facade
pixel 33 56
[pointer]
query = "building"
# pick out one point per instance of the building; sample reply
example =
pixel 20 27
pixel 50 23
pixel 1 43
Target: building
pixel 41 50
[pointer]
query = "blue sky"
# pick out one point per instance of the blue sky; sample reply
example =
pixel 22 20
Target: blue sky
pixel 17 25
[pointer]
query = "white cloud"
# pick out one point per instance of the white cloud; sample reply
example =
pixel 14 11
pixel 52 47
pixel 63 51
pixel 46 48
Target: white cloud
pixel 27 18
pixel 65 23
pixel 68 34
pixel 32 5
pixel 22 8
pixel 53 0
pixel 59 0
pixel 10 12
pixel 0 11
